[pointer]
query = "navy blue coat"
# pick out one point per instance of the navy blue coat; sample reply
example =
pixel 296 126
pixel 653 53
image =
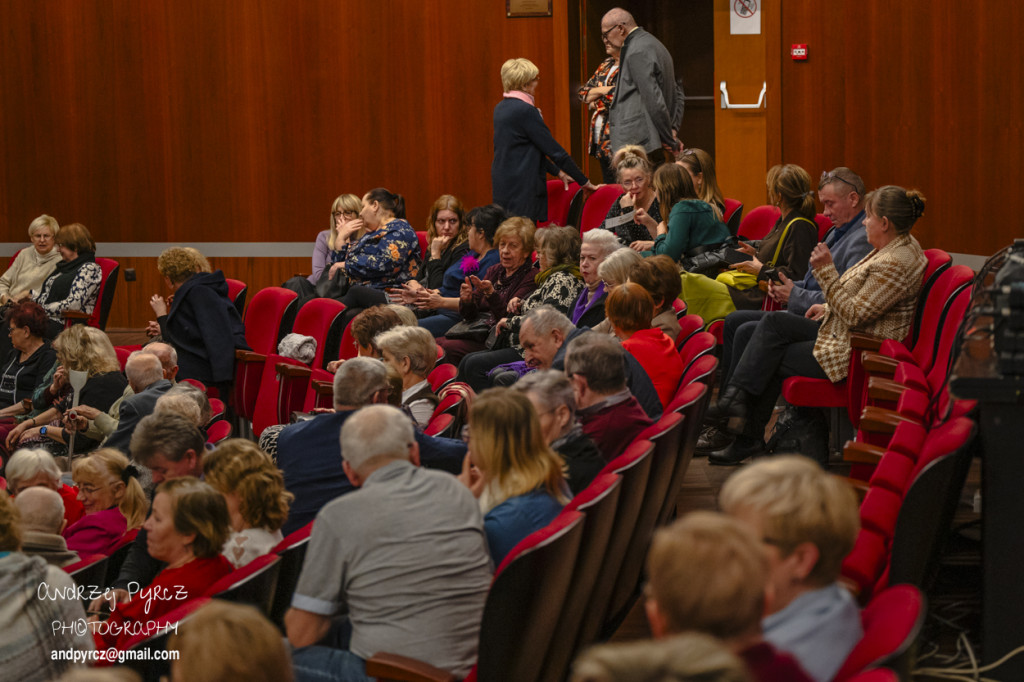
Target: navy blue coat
pixel 523 151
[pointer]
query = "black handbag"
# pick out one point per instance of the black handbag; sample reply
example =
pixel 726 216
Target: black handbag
pixel 476 329
pixel 332 287
pixel 710 259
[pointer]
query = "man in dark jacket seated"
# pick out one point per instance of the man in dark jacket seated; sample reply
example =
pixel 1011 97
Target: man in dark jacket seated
pixel 610 415
pixel 202 323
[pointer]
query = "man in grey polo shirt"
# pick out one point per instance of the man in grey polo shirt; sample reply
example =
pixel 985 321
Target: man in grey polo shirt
pixel 404 558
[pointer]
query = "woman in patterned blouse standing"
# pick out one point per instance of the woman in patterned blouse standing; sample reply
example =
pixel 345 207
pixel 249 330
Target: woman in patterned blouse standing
pixel 598 93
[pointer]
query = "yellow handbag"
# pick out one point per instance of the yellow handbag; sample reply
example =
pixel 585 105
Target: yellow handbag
pixel 738 280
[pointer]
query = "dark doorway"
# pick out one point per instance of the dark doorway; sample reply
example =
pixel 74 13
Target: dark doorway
pixel 687 30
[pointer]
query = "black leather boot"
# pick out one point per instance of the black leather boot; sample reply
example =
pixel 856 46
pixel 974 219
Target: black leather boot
pixel 737 451
pixel 730 413
pixel 711 439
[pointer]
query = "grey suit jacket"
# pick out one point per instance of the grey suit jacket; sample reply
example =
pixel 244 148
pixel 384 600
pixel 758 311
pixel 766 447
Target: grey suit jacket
pixel 648 102
pixel 133 409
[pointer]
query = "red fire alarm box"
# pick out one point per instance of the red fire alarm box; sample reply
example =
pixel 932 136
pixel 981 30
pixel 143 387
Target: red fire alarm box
pixel 798 52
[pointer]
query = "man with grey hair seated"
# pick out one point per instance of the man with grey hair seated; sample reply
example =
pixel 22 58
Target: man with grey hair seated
pixel 404 558
pixel 308 452
pixel 544 336
pixel 552 395
pixel 608 412
pixel 42 521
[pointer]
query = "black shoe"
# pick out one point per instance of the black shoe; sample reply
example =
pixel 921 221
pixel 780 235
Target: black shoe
pixel 740 449
pixel 730 413
pixel 711 439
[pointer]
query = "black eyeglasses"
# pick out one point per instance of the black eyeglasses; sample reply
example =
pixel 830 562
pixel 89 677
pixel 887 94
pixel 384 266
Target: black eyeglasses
pixel 829 176
pixel 604 34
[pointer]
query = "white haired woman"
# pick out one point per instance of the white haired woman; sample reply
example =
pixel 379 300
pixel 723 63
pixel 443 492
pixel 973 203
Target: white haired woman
pixel 29 468
pixel 32 266
pixel 588 311
pixel 413 353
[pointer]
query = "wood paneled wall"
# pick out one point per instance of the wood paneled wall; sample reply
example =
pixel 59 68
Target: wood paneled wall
pixel 918 94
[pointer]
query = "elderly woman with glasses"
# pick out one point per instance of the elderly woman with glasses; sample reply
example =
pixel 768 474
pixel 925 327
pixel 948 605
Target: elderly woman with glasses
pixel 635 174
pixel 32 266
pixel 109 489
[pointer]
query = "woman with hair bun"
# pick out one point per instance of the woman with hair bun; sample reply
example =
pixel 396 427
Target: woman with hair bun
pixel 635 174
pixel 109 489
pixel 877 296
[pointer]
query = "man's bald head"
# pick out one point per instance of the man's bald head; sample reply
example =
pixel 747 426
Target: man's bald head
pixel 142 370
pixel 168 357
pixel 616 16
pixel 41 509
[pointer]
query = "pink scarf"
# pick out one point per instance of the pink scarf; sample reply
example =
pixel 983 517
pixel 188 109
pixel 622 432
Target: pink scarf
pixel 522 96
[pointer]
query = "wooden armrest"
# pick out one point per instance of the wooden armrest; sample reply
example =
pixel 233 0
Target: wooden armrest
pixel 880 420
pixel 862 453
pixel 880 388
pixel 878 364
pixel 249 356
pixel 75 315
pixel 395 668
pixel 862 341
pixel 323 387
pixel 287 369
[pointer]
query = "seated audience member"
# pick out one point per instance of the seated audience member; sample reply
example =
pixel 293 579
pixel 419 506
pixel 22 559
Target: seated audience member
pixel 80 348
pixel 552 396
pixel 544 335
pixel 114 502
pixel 75 283
pixel 146 378
pixel 33 265
pixel 29 358
pixel 201 323
pixel 558 285
pixel 28 643
pixel 630 309
pixel 690 657
pixel 701 167
pixel 169 446
pixel 42 520
pixel 388 254
pixel 660 277
pixel 785 248
pixel 877 296
pixel 841 192
pixel 225 641
pixel 365 328
pixel 487 297
pixel 690 222
pixel 308 452
pixel 614 270
pixel 438 306
pixel 28 468
pixel 708 573
pixel 635 173
pixel 188 401
pixel 588 311
pixel 391 573
pixel 168 358
pixel 511 469
pixel 413 353
pixel 185 531
pixel 331 244
pixel 257 501
pixel 608 412
pixel 812 519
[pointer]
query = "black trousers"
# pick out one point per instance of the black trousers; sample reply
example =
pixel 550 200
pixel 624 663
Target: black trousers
pixel 736 332
pixel 780 346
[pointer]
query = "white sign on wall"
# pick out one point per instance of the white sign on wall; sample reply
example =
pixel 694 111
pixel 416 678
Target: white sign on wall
pixel 745 17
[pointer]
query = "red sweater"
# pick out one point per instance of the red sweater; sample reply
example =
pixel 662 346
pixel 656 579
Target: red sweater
pixel 614 427
pixel 73 509
pixel 656 353
pixel 768 664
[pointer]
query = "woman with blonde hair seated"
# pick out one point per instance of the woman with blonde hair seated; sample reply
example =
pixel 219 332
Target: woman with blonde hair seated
pixel 515 474
pixel 614 270
pixel 113 499
pixel 254 491
pixel 33 265
pixel 690 222
pixel 630 309
pixel 635 174
pixel 186 530
pixel 810 521
pixel 413 353
pixel 85 349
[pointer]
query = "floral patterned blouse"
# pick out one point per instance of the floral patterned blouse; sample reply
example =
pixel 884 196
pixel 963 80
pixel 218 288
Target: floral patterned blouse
pixel 387 257
pixel 84 291
pixel 630 231
pixel 559 288
pixel 600 132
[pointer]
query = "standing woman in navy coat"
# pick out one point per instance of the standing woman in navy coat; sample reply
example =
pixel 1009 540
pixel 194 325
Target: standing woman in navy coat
pixel 524 148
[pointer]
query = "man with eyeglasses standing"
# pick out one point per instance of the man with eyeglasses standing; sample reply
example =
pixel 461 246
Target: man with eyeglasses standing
pixel 841 192
pixel 648 104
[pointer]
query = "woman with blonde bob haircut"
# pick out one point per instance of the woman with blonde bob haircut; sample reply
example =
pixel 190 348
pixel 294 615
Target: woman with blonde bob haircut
pixel 225 641
pixel 524 149
pixel 809 520
pixel 109 489
pixel 32 266
pixel 186 530
pixel 412 351
pixel 254 491
pixel 517 477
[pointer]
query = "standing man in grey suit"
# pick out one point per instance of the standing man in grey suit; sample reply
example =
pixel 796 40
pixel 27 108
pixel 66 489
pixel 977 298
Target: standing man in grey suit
pixel 648 104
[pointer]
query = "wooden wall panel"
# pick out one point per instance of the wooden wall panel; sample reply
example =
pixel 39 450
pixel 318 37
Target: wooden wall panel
pixel 916 94
pixel 176 120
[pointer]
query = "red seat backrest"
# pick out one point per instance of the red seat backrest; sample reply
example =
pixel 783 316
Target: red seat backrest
pixel 757 223
pixel 263 317
pixel 596 207
pixel 559 199
pixel 891 622
pixel 824 225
